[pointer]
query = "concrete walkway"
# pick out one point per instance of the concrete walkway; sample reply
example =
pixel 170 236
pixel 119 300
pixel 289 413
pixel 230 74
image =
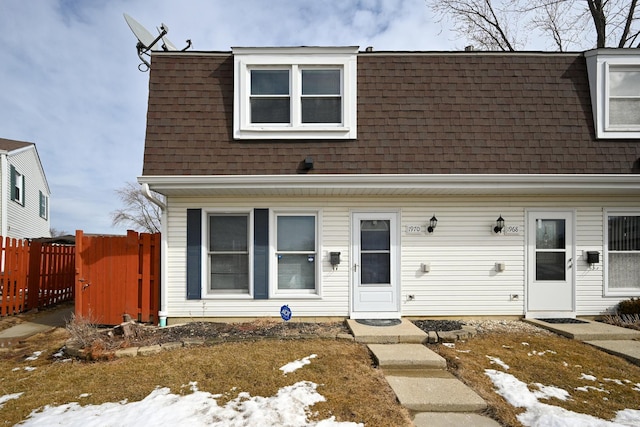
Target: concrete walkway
pixel 40 322
pixel 419 378
pixel 622 342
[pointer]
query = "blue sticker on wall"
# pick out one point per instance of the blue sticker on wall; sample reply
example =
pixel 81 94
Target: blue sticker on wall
pixel 285 313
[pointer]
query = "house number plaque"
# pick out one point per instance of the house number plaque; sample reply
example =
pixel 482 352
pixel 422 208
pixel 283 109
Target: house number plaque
pixel 415 229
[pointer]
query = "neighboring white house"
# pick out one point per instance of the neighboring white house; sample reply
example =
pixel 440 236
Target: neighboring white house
pixel 24 192
pixel 385 184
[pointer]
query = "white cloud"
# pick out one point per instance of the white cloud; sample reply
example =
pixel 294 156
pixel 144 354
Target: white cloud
pixel 69 79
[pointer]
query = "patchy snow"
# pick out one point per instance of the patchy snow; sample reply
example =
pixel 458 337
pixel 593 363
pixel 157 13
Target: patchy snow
pixel 297 364
pixel 497 361
pixel 549 391
pixel 588 377
pixel 34 356
pixel 289 407
pixel 538 414
pixel 540 353
pixel 590 387
pixel 8 397
pixel 449 344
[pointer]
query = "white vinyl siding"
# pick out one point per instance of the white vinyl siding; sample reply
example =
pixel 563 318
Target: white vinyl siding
pixel 24 220
pixel 462 253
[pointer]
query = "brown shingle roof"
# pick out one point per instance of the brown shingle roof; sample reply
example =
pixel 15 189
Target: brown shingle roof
pixel 10 145
pixel 431 113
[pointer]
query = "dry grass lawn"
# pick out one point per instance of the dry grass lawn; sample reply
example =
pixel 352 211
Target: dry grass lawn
pixel 550 360
pixel 354 389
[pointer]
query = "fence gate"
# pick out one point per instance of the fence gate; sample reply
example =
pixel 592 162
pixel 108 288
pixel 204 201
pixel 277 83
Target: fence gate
pixel 117 275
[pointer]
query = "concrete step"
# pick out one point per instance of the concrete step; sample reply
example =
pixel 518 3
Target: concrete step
pixel 451 419
pixel 443 393
pixel 627 349
pixel 405 332
pixel 406 356
pixel 588 331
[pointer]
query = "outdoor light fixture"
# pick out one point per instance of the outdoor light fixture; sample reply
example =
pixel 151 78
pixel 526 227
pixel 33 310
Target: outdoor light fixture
pixel 499 224
pixel 432 223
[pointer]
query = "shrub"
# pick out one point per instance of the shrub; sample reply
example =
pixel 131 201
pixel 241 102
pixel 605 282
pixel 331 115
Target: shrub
pixel 630 306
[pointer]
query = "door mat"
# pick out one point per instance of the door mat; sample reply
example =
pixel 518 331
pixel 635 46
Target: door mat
pixel 379 322
pixel 563 321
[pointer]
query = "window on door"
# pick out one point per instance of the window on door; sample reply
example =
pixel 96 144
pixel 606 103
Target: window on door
pixel 622 254
pixel 296 253
pixel 550 249
pixel 375 252
pixel 229 253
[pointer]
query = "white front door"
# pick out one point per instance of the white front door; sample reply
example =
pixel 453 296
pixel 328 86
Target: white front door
pixel 550 290
pixel 376 261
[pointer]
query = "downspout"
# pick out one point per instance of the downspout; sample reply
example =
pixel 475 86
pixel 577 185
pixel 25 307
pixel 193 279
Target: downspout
pixel 162 313
pixel 4 194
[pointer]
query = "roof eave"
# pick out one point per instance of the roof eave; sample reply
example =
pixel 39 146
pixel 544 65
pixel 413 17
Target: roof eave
pixel 394 185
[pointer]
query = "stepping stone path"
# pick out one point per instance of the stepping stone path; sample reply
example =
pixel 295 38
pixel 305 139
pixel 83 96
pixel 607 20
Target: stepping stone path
pixel 419 378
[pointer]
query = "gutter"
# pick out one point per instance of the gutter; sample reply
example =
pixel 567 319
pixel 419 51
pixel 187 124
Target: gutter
pixel 162 313
pixel 4 193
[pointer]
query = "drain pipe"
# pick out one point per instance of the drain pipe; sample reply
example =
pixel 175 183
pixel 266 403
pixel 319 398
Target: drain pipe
pixel 162 313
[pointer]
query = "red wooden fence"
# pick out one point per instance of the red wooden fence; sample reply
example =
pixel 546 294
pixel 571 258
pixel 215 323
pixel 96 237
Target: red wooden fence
pixel 117 275
pixel 34 275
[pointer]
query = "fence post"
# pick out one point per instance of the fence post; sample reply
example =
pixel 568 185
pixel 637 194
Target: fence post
pixel 78 270
pixel 33 281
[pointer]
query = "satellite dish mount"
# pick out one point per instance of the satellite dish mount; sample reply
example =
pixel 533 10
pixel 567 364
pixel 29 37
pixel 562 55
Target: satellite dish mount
pixel 147 42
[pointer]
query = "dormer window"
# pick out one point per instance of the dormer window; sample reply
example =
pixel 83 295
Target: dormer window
pixel 624 97
pixel 295 93
pixel 614 80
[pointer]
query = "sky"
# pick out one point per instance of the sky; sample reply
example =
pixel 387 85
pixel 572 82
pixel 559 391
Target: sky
pixel 69 78
pixel 292 405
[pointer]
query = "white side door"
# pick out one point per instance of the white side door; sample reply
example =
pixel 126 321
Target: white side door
pixel 375 269
pixel 551 283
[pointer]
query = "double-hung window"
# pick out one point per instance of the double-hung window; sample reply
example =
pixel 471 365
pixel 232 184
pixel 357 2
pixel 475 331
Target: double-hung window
pixel 296 252
pixel 44 206
pixel 17 186
pixel 614 80
pixel 228 253
pixel 295 93
pixel 624 98
pixel 622 253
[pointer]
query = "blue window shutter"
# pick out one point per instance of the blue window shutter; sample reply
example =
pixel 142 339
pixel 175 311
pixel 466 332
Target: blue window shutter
pixel 194 253
pixel 261 254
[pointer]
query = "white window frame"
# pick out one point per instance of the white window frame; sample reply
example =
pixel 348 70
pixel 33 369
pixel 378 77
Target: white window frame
pixel 44 206
pixel 17 191
pixel 206 292
pixel 599 64
pixel 294 59
pixel 274 292
pixel 615 292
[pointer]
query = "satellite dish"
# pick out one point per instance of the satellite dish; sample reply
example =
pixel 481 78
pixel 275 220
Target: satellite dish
pixel 147 42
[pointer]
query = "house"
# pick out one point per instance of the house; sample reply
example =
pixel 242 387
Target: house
pixel 24 193
pixel 363 184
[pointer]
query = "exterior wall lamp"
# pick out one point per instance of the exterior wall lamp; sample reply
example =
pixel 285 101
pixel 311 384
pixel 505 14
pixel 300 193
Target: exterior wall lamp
pixel 499 224
pixel 432 223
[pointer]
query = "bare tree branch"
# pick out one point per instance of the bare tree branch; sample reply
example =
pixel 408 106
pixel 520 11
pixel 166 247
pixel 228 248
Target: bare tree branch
pixel 138 211
pixel 563 23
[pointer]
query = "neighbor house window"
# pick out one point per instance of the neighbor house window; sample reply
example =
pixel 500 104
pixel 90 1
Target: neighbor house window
pixel 295 93
pixel 17 186
pixel 614 80
pixel 623 253
pixel 44 206
pixel 229 253
pixel 296 253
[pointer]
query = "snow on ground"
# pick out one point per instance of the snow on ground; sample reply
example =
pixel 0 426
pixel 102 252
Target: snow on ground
pixel 4 399
pixel 297 364
pixel 289 407
pixel 540 414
